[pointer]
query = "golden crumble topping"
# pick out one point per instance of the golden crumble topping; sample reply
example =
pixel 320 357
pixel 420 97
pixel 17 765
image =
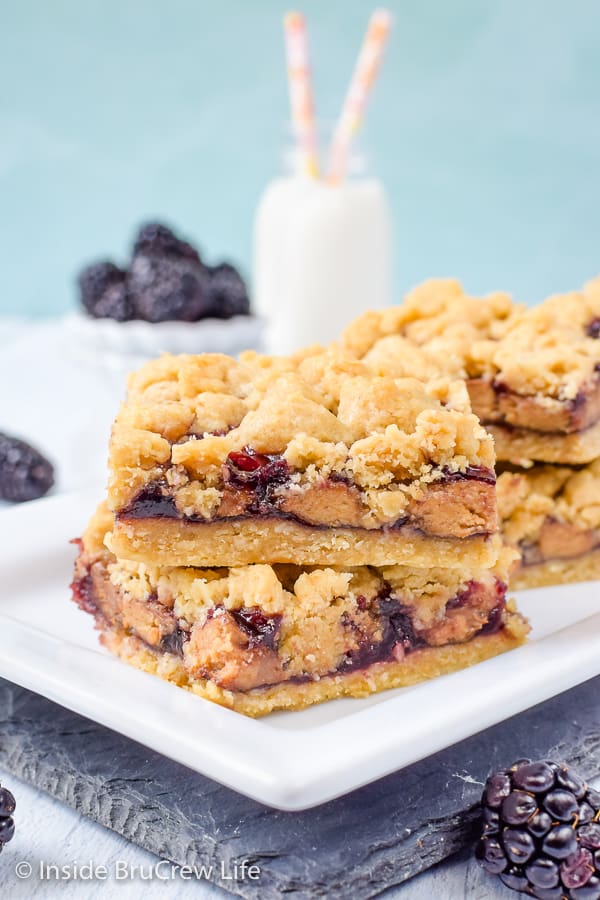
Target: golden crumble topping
pixel 527 499
pixel 324 413
pixel 547 350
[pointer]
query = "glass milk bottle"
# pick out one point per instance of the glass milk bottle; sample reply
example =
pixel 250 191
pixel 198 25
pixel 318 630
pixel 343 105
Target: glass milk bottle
pixel 322 255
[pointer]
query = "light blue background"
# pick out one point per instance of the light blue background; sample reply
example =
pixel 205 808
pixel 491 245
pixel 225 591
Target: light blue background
pixel 485 126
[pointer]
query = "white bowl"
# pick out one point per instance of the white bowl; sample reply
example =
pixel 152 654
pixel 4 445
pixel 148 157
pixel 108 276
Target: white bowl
pixel 144 340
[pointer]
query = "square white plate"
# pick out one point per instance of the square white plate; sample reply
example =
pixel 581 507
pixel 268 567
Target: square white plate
pixel 288 760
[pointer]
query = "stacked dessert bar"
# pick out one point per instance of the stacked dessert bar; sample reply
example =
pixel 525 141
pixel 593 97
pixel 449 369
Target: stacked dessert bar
pixel 552 514
pixel 282 531
pixel 533 376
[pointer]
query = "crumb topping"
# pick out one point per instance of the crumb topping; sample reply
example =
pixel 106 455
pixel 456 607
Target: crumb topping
pixel 550 350
pixel 526 500
pixel 325 413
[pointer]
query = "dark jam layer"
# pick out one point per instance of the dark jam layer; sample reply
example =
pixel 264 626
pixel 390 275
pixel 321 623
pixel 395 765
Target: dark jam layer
pixel 397 631
pixel 468 597
pixel 260 629
pixel 264 475
pixel 575 406
pixel 472 473
pixel 152 502
pixel 84 595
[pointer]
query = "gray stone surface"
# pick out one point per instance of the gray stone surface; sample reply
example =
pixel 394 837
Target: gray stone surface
pixel 355 846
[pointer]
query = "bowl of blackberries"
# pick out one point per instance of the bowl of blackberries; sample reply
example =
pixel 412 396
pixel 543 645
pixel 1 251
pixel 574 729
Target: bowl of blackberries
pixel 165 299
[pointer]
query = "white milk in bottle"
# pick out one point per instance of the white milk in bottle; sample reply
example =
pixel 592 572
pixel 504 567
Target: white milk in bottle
pixel 322 256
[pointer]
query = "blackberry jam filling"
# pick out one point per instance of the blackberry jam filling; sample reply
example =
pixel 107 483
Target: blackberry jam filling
pixel 152 502
pixel 83 595
pixel 471 473
pixel 173 643
pixel 500 387
pixel 470 593
pixel 262 475
pixel 244 469
pixel 261 629
pixel 261 472
pixel 495 619
pixel 398 638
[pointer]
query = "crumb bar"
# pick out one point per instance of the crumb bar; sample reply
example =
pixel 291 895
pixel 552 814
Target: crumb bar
pixel 308 460
pixel 551 514
pixel 260 637
pixel 533 374
pixel 523 446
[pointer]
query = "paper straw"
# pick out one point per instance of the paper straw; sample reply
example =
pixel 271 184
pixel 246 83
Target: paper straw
pixel 301 94
pixel 363 77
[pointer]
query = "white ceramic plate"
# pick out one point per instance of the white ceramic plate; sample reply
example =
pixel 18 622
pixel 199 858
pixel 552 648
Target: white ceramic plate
pixel 287 760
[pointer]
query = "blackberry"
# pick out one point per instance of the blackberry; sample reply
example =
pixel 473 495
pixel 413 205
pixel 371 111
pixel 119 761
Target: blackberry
pixel 227 291
pixel 115 304
pixel 24 473
pixel 7 808
pixel 166 281
pixel 103 292
pixel 155 239
pixel 541 831
pixel 164 289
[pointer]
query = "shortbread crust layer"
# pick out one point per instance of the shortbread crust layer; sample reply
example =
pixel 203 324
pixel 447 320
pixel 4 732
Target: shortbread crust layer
pixel 172 542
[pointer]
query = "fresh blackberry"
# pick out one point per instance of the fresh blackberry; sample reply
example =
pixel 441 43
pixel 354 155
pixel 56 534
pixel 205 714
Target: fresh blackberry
pixel 227 291
pixel 541 831
pixel 7 825
pixel 155 239
pixel 115 304
pixel 103 292
pixel 164 289
pixel 24 473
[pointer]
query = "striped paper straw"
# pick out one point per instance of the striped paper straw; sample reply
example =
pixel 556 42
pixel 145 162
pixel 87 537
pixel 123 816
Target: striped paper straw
pixel 353 110
pixel 301 94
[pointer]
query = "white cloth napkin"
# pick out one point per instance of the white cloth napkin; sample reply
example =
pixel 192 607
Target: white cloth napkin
pixel 57 397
